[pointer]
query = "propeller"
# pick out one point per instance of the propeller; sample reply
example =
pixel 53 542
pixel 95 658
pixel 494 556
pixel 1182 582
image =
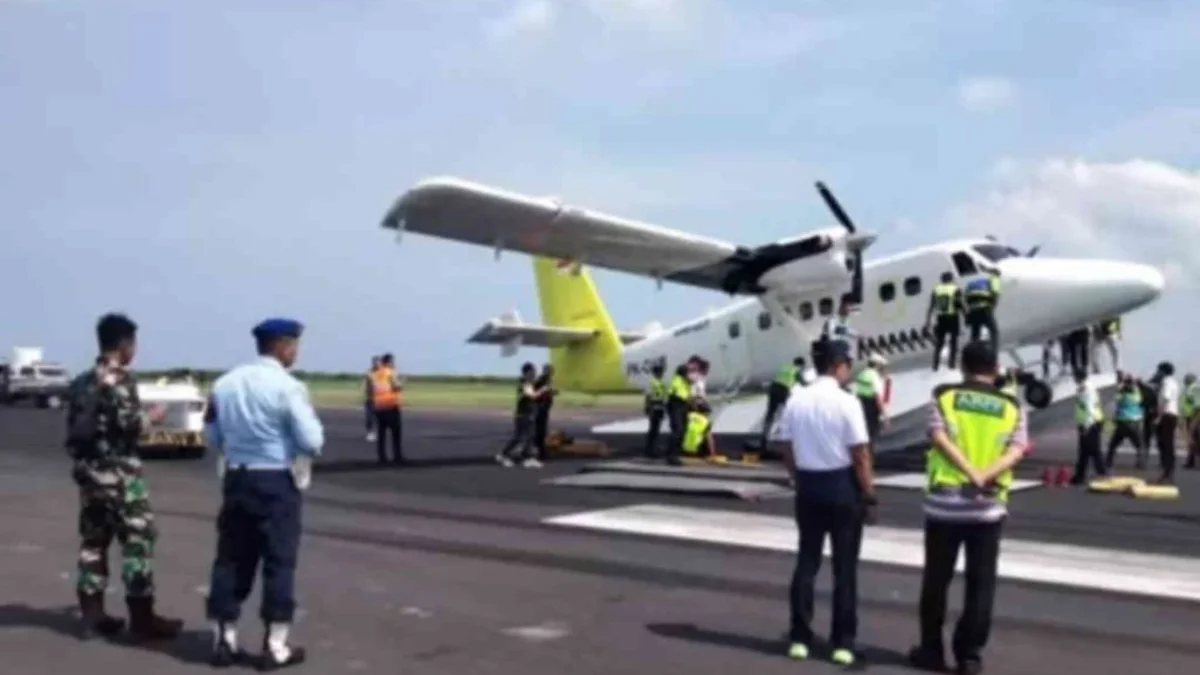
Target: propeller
pixel 855 296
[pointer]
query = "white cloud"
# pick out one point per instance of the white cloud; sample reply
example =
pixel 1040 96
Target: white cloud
pixel 1139 210
pixel 984 94
pixel 525 16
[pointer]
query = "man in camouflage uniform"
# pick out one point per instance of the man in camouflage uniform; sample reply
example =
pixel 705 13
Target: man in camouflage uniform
pixel 104 423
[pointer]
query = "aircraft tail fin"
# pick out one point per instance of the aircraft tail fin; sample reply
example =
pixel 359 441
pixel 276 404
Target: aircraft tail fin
pixel 569 301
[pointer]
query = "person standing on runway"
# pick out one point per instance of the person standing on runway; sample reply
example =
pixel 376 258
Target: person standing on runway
pixel 1167 422
pixel 1130 416
pixel 520 447
pixel 946 302
pixel 261 420
pixel 777 394
pixel 541 415
pixel 655 408
pixel 387 393
pixel 1089 423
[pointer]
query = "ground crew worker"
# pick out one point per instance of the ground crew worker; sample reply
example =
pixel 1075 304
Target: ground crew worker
pixel 368 395
pixel 655 408
pixel 1130 415
pixel 698 377
pixel 979 434
pixel 1089 423
pixel 981 297
pixel 520 446
pixel 677 408
pixel 946 302
pixel 869 388
pixel 541 412
pixel 1078 349
pixel 777 394
pixel 1108 333
pixel 698 434
pixel 837 328
pixel 261 419
pixel 104 424
pixel 826 451
pixel 386 400
pixel 1190 407
pixel 1168 421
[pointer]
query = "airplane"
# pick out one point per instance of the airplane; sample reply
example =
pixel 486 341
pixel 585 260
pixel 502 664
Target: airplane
pixel 787 289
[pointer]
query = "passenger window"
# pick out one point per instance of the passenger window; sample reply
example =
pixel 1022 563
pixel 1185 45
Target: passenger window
pixel 912 286
pixel 806 311
pixel 787 309
pixel 964 264
pixel 887 292
pixel 825 307
pixel 734 330
pixel 764 321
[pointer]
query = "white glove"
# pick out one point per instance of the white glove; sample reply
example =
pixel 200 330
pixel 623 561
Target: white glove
pixel 302 471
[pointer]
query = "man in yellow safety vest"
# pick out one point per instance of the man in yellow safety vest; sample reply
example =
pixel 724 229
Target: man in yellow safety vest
pixel 946 303
pixel 655 408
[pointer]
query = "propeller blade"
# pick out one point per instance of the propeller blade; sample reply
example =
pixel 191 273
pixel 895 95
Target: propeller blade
pixel 1033 251
pixel 834 206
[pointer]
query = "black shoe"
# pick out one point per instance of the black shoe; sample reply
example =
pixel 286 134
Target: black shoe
pixel 674 461
pixel 969 667
pixel 146 625
pixel 927 659
pixel 224 656
pixel 268 662
pixel 95 620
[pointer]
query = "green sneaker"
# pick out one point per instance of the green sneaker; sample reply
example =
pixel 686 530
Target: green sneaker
pixel 843 657
pixel 798 652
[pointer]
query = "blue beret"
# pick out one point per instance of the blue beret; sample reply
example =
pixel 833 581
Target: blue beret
pixel 277 328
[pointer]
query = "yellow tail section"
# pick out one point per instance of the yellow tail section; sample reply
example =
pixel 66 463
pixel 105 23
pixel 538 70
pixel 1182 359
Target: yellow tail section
pixel 568 299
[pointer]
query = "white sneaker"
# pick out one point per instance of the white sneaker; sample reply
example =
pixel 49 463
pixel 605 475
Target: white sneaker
pixel 531 463
pixel 370 436
pixel 504 461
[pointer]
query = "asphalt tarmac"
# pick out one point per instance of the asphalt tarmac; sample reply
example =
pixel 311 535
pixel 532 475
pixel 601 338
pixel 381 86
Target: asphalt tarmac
pixel 446 565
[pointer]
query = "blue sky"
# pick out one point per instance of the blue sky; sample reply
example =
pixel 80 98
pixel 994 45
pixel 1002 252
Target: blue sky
pixel 202 165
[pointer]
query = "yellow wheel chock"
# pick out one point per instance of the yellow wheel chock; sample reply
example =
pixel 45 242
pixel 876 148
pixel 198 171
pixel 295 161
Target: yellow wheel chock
pixel 1154 492
pixel 1114 485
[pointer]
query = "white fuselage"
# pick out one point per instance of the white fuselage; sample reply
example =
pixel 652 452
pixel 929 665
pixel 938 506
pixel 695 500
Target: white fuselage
pixel 1041 298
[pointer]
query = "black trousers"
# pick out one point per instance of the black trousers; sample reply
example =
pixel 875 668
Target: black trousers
pixel 541 426
pixel 259 522
pixel 1193 446
pixel 1089 451
pixel 777 396
pixel 945 330
pixel 389 422
pixel 872 414
pixel 1077 348
pixel 677 421
pixel 978 319
pixel 1166 444
pixel 655 417
pixel 843 524
pixel 520 446
pixel 369 415
pixel 942 542
pixel 1127 430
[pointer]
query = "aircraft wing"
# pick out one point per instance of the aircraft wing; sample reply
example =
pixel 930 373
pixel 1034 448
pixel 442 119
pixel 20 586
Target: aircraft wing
pixel 511 333
pixel 455 209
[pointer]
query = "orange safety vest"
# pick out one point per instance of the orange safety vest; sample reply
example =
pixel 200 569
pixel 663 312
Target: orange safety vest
pixel 383 395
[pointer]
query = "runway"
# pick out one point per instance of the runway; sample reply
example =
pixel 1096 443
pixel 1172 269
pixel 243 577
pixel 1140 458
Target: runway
pixel 451 564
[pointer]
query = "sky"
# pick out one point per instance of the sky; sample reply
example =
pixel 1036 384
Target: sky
pixel 204 165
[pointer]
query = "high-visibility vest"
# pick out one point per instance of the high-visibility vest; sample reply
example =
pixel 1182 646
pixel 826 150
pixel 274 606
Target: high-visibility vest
pixel 1082 414
pixel 1190 402
pixel 982 293
pixel 658 391
pixel 1112 327
pixel 979 420
pixel 787 376
pixel 383 392
pixel 1129 405
pixel 866 383
pixel 680 388
pixel 943 299
pixel 695 432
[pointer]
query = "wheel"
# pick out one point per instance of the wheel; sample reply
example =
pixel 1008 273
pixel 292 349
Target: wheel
pixel 52 402
pixel 1038 394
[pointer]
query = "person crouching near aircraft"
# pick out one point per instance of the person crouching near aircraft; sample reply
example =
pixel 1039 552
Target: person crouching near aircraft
pixel 677 408
pixel 522 438
pixel 1089 421
pixel 698 436
pixel 655 408
pixel 1129 414
pixel 869 387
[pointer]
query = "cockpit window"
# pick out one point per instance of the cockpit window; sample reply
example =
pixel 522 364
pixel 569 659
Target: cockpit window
pixel 964 265
pixel 996 252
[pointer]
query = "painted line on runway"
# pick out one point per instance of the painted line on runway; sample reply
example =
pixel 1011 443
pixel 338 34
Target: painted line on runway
pixel 1099 569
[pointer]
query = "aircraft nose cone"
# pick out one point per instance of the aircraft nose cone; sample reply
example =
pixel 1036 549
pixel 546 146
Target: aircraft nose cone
pixel 1144 282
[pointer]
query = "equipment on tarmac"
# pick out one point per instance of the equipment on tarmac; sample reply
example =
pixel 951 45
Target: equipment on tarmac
pixel 1154 492
pixel 1115 484
pixel 562 443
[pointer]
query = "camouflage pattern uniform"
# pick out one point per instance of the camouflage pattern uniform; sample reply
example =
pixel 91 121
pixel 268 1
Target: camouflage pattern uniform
pixel 104 424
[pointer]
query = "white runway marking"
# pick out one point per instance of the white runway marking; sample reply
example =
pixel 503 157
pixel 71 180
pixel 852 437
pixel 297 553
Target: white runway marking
pixel 1114 571
pixel 541 633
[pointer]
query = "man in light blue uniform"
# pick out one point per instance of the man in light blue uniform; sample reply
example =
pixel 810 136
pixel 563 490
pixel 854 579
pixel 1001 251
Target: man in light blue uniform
pixel 261 419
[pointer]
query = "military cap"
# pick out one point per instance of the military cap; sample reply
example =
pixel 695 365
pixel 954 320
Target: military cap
pixel 278 328
pixel 838 350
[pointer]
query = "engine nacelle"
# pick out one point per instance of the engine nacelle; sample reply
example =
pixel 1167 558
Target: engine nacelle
pixel 832 266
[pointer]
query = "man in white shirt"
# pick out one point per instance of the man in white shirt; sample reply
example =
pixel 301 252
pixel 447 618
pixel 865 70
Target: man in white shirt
pixel 1168 420
pixel 826 451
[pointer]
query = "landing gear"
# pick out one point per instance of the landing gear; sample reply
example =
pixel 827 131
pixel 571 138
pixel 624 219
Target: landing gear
pixel 1037 393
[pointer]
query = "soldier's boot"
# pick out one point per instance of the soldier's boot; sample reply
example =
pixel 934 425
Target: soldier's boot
pixel 145 625
pixel 95 620
pixel 278 652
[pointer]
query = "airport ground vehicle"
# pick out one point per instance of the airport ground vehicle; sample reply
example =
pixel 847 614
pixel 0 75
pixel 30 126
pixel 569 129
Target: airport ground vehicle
pixel 182 432
pixel 43 383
